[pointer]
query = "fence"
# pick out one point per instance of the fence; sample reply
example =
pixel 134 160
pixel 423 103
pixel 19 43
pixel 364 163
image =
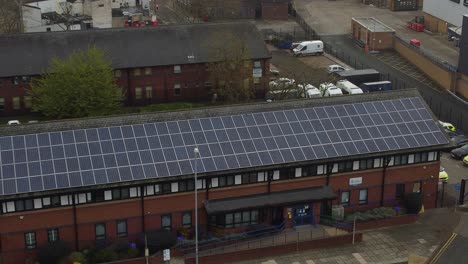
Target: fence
pixel 427 54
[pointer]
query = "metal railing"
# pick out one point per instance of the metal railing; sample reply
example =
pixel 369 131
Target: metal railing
pixel 232 239
pixel 434 59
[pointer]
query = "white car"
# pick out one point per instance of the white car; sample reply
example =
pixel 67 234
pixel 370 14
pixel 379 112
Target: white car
pixel 282 83
pixel 329 89
pixel 310 91
pixel 14 122
pixel 336 68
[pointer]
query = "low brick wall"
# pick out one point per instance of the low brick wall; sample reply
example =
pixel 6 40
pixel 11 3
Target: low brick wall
pixel 399 220
pixel 255 253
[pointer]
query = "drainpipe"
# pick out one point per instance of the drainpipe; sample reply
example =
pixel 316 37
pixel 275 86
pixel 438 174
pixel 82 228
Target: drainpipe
pixel 75 224
pixel 269 182
pixel 386 161
pixel 329 172
pixel 142 207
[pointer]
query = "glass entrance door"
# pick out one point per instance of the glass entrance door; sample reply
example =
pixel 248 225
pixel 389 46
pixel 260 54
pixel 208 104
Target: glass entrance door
pixel 303 215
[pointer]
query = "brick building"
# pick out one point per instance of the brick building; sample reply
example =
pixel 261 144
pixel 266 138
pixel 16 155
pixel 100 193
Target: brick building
pixel 152 65
pixel 93 180
pixel 372 33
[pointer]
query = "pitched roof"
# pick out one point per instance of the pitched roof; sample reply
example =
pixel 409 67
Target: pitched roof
pixel 31 53
pixel 130 149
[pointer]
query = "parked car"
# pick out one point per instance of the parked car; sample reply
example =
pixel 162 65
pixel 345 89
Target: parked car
pixel 465 161
pixel 451 134
pixel 14 122
pixel 314 47
pixel 348 87
pixel 281 83
pixel 336 68
pixel 447 126
pixel 274 73
pixel 309 91
pixel 458 141
pixel 443 175
pixel 460 153
pixel 329 89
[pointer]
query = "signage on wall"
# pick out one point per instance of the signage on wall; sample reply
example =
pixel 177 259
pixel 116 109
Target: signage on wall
pixel 355 181
pixel 257 72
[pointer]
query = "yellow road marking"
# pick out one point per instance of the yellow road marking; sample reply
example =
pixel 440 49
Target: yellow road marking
pixel 443 248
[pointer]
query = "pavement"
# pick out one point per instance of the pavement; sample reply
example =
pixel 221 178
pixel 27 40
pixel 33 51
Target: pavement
pixel 387 245
pixel 334 18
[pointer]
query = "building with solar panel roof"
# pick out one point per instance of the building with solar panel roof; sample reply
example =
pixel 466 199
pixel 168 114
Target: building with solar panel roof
pixel 91 180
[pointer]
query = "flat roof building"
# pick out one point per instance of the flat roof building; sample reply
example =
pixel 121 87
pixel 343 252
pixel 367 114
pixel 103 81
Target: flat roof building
pixel 257 164
pixel 372 33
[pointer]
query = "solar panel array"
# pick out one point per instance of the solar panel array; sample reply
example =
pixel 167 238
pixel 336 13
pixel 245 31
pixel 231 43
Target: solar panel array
pixel 57 160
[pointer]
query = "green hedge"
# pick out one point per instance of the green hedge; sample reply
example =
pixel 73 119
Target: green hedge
pixel 373 214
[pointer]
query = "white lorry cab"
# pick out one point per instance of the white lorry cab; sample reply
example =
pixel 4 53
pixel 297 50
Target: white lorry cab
pixel 314 47
pixel 348 87
pixel 329 89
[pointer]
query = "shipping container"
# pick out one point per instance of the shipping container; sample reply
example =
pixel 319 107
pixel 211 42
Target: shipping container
pixel 359 76
pixel 376 86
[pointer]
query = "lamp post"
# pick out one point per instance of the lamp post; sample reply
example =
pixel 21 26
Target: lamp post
pixel 196 152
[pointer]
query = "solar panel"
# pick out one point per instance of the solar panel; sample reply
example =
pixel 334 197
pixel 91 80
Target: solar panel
pixel 85 157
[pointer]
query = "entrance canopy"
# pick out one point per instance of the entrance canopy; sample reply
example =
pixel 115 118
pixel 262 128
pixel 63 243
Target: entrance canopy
pixel 271 199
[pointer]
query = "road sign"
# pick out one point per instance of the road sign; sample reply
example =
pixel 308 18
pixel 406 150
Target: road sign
pixel 457 187
pixel 166 254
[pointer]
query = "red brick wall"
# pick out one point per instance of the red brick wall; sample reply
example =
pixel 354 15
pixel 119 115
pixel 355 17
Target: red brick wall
pixel 13 226
pixel 162 80
pixel 275 11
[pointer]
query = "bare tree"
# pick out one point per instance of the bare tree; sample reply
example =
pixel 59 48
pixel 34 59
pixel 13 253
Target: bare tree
pixel 231 69
pixel 10 16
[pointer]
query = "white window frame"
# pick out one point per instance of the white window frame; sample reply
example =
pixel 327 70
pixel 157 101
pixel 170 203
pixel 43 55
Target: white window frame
pixel 82 198
pixel 377 162
pixel 355 165
pixel 335 168
pixel 298 172
pixel 45 201
pixel 134 192
pixel 65 200
pixel 392 161
pixel 410 158
pixel 108 195
pixel 276 175
pixel 261 176
pixel 320 169
pixel 10 206
pixel 174 187
pixel 177 69
pixel 201 184
pixel 149 190
pixel 214 182
pixel 237 179
pixel 431 156
pixel 257 64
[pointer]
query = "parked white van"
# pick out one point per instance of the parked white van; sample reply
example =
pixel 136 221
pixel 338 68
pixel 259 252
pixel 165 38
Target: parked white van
pixel 329 89
pixel 309 91
pixel 348 87
pixel 314 47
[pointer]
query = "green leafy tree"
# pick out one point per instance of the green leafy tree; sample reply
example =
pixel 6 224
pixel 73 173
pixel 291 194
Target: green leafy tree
pixel 79 86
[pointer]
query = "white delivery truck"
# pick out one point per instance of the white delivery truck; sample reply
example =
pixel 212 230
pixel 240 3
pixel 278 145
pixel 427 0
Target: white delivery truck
pixel 314 47
pixel 348 87
pixel 329 89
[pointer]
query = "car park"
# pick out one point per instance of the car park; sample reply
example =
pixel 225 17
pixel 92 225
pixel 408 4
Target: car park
pixel 460 153
pixel 329 89
pixel 282 83
pixel 443 175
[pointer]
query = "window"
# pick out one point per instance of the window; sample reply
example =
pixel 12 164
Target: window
pixel 148 71
pixel 166 188
pixel 309 171
pixel 16 103
pixel 2 104
pixel 138 93
pixel 345 198
pixel 417 158
pixel 249 178
pixel 417 187
pixel 289 173
pixel 121 228
pixel 30 239
pixel 363 196
pixel 366 164
pixel 26 79
pixel 148 92
pixel 424 157
pixel 100 231
pixel 136 72
pixel 117 73
pixel 187 219
pixel 257 64
pixel 176 89
pixel 27 102
pixel 236 219
pixel 19 205
pixel 52 234
pixel 400 191
pixel 177 69
pixel 229 220
pixel 166 222
pixel 208 85
pixel 345 166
